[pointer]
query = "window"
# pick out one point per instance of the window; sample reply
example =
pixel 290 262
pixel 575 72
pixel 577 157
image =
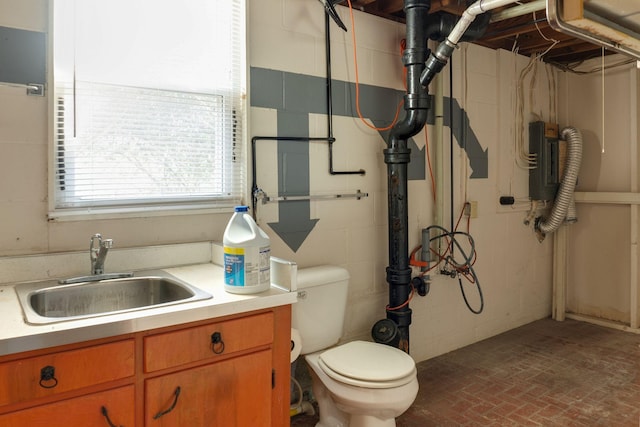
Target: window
pixel 148 104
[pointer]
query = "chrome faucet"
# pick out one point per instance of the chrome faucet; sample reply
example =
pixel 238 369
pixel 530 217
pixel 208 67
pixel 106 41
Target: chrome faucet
pixel 98 249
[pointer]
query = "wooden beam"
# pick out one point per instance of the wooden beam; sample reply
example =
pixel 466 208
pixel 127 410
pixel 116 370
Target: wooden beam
pixel 572 9
pixel 390 6
pixel 575 52
pixel 509 32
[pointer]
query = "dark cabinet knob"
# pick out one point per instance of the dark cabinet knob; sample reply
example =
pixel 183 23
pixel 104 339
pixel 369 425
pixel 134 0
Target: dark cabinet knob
pixel 217 344
pixel 48 377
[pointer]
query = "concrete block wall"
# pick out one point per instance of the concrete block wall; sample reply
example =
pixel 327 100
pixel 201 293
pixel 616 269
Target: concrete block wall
pixel 602 267
pixel 514 269
pixel 288 35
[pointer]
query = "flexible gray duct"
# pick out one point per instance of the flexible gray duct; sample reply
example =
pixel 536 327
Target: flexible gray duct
pixel 564 198
pixel 572 214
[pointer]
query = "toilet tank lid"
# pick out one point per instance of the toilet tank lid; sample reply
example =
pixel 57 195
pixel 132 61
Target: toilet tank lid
pixel 320 275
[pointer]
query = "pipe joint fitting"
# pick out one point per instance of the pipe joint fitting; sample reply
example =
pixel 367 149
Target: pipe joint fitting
pixel 401 318
pixel 414 56
pixel 410 4
pixel 397 155
pixel 433 66
pixel 417 101
pixel 396 276
pixel 444 51
pixel 436 62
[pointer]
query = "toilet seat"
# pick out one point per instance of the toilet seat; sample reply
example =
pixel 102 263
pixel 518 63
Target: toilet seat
pixel 369 365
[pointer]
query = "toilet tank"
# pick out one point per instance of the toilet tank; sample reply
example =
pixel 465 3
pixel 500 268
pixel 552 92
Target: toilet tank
pixel 319 313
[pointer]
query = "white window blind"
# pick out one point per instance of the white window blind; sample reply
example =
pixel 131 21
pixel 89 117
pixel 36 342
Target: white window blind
pixel 148 104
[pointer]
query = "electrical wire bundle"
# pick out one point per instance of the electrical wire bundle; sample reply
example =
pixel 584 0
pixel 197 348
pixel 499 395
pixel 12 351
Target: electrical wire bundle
pixel 450 261
pixel 456 267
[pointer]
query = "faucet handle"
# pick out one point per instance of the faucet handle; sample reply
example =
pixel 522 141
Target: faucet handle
pixel 98 248
pixel 93 249
pixel 97 243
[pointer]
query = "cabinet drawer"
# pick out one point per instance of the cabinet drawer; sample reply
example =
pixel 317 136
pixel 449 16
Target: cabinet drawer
pixel 195 344
pixel 73 369
pixel 81 411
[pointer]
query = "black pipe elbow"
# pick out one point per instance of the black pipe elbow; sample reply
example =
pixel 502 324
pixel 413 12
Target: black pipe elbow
pixel 440 25
pixel 438 28
pixel 412 124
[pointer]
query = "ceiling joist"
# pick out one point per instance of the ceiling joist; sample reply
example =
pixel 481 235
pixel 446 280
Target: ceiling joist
pixel 522 26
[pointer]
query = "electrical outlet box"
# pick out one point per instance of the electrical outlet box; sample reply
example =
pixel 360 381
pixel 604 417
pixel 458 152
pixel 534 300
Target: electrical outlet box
pixel 471 209
pixel 474 209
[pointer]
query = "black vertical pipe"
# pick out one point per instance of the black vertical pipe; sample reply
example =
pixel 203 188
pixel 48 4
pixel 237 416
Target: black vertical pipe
pixel 331 139
pixel 327 55
pixel 397 157
pixel 327 48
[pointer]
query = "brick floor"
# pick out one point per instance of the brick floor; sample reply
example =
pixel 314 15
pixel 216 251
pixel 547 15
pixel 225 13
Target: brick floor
pixel 546 373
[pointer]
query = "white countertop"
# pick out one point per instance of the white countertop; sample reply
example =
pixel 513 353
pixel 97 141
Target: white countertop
pixel 17 336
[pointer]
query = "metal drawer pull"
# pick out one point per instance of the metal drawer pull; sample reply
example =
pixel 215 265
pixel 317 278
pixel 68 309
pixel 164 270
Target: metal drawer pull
pixel 48 375
pixel 217 345
pixel 173 405
pixel 104 412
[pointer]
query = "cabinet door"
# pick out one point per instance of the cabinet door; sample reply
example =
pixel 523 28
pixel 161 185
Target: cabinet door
pixel 232 393
pixel 85 411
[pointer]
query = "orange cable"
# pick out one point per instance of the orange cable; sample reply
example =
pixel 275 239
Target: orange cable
pixel 355 62
pixel 433 181
pixel 404 303
pixel 459 218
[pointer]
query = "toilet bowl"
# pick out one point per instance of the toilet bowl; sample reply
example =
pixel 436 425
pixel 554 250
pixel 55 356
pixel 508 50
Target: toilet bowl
pixel 362 384
pixel 357 384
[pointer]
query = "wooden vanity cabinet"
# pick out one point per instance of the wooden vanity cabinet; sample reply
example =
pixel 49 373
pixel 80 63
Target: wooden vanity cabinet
pixel 232 372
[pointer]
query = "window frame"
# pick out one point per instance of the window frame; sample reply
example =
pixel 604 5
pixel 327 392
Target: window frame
pixel 152 208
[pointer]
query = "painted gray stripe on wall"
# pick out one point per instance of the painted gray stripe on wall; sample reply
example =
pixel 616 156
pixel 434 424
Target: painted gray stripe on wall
pixel 301 93
pixel 294 217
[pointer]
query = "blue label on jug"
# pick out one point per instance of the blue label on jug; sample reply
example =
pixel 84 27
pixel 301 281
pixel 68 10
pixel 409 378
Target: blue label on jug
pixel 233 266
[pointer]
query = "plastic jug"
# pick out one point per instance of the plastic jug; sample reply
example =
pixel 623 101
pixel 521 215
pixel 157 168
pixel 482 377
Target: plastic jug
pixel 247 255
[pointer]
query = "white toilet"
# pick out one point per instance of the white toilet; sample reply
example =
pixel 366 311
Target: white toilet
pixel 357 384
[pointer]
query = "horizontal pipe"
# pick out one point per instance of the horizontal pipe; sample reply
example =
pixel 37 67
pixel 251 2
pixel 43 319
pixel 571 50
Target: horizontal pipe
pixel 358 195
pixel 523 9
pixel 477 8
pixel 440 25
pixel 607 197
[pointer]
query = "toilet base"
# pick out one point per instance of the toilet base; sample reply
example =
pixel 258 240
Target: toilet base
pixel 370 421
pixel 330 415
pixel 342 411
